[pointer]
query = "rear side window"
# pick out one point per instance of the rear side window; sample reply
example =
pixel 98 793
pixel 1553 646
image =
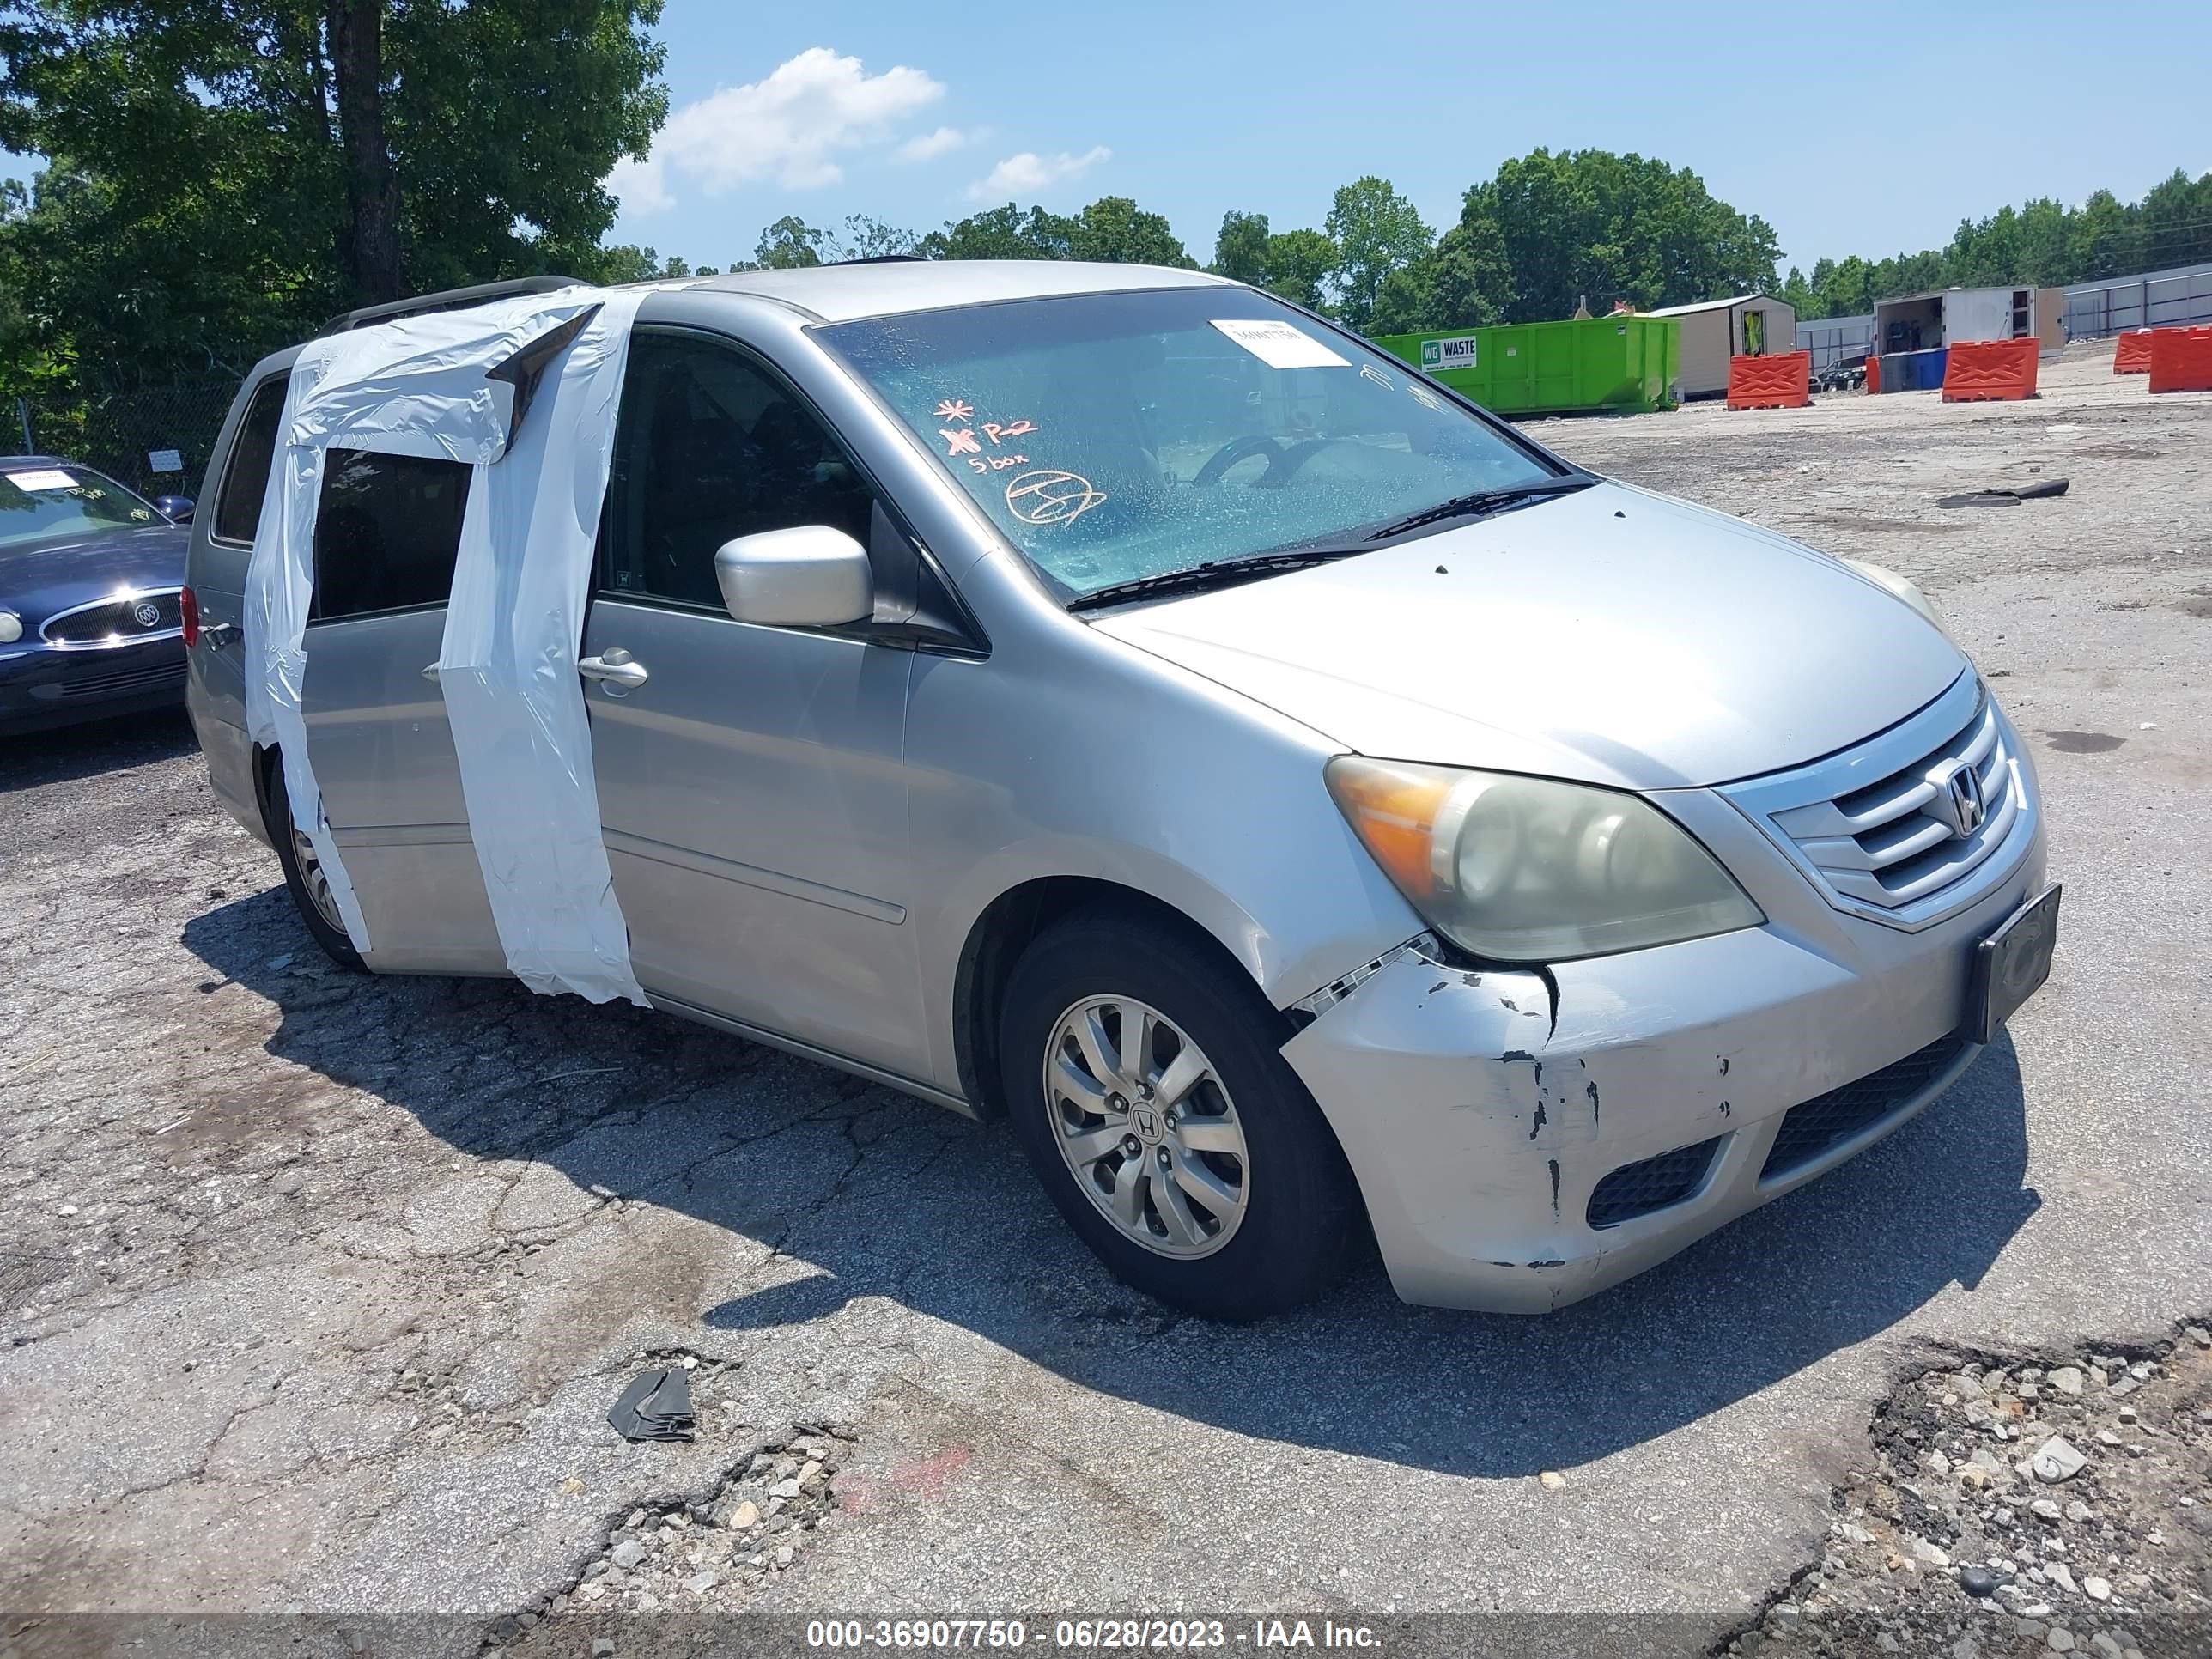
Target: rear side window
pixel 387 531
pixel 246 479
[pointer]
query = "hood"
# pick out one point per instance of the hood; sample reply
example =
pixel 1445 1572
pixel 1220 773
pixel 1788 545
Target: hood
pixel 44 577
pixel 1613 636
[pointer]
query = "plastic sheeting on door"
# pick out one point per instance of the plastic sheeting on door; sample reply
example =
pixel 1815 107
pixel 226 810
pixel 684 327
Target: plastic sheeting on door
pixel 449 385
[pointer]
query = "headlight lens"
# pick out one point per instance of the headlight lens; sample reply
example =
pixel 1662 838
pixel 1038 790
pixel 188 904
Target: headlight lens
pixel 1902 586
pixel 1532 870
pixel 11 627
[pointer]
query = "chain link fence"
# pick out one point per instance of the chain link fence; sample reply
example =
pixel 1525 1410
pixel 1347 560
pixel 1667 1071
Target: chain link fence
pixel 154 439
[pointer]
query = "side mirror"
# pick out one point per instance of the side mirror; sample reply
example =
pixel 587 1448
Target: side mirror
pixel 177 509
pixel 808 576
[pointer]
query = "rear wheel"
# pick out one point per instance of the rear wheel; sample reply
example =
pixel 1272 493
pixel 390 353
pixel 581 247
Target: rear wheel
pixel 1147 1088
pixel 303 877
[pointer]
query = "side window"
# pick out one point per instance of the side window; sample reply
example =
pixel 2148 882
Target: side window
pixel 712 447
pixel 245 476
pixel 387 531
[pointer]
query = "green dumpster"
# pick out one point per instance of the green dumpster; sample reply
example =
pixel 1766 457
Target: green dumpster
pixel 1623 363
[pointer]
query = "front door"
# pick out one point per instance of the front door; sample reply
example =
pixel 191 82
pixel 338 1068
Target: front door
pixel 752 785
pixel 387 530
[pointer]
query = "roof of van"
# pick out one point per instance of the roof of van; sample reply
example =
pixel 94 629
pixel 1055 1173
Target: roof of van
pixel 838 294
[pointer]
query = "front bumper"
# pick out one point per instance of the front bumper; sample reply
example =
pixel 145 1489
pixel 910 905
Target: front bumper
pixel 42 686
pixel 1482 1117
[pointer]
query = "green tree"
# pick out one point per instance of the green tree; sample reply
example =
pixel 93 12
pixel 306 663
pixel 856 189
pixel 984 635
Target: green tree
pixel 790 244
pixel 1299 263
pixel 1464 281
pixel 1239 251
pixel 1377 231
pixel 1596 225
pixel 2106 236
pixel 1116 230
pixel 866 237
pixel 222 174
pixel 1001 233
pixel 2177 221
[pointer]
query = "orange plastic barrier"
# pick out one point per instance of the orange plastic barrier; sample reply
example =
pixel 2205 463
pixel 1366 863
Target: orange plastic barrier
pixel 2132 355
pixel 1979 370
pixel 1873 373
pixel 1782 380
pixel 2181 359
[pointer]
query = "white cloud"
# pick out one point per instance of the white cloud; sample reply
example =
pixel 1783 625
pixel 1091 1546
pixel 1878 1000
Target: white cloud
pixel 787 126
pixel 1029 173
pixel 929 145
pixel 641 187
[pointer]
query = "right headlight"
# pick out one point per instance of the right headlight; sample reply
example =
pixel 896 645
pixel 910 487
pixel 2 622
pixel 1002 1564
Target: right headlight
pixel 1526 869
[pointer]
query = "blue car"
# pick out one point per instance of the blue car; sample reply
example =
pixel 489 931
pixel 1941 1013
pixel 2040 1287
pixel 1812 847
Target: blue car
pixel 92 580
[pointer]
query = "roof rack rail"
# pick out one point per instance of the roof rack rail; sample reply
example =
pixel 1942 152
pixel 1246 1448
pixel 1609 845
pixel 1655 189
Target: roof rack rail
pixel 451 299
pixel 884 259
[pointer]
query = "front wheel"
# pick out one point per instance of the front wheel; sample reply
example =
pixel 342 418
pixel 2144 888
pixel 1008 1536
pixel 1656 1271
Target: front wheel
pixel 1148 1091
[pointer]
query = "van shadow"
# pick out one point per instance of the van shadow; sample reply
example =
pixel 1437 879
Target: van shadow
pixel 885 1197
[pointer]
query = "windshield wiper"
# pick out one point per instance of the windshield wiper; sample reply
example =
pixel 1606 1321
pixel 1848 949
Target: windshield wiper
pixel 1214 573
pixel 1483 500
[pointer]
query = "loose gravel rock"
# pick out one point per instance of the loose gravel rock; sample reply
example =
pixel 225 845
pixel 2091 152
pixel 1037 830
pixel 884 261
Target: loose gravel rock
pixel 694 1554
pixel 1948 1546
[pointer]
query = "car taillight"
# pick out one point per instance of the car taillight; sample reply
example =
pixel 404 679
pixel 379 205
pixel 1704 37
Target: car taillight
pixel 189 605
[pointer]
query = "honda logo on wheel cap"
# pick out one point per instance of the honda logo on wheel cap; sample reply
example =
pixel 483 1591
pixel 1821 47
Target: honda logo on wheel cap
pixel 1959 806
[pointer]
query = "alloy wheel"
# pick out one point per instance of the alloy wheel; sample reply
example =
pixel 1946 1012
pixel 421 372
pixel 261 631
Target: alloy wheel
pixel 1144 1123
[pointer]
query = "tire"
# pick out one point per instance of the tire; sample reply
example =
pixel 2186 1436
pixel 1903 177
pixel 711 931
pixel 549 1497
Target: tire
pixel 1291 1233
pixel 300 878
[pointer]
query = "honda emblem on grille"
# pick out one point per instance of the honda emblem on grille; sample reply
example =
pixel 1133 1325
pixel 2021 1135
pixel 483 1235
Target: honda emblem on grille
pixel 145 613
pixel 1958 805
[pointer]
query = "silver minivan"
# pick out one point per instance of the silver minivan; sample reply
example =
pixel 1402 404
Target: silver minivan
pixel 1306 807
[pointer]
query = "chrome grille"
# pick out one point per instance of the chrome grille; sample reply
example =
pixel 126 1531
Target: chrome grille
pixel 1872 826
pixel 118 619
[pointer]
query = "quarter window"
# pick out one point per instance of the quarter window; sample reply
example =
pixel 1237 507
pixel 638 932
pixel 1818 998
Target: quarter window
pixel 387 531
pixel 246 479
pixel 711 446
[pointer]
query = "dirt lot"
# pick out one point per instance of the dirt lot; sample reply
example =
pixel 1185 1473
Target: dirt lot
pixel 318 1289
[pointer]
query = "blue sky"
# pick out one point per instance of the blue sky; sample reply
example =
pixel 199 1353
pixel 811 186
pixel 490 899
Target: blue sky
pixel 1874 136
pixel 1193 109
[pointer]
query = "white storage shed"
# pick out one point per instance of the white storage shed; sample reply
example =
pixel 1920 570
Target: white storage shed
pixel 1713 330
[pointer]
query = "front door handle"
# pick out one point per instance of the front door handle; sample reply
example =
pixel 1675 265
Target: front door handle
pixel 617 669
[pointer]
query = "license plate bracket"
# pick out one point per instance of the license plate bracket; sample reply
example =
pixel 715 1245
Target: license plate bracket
pixel 2011 965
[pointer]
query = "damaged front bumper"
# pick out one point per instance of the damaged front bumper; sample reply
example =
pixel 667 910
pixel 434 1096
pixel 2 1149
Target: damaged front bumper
pixel 1524 1140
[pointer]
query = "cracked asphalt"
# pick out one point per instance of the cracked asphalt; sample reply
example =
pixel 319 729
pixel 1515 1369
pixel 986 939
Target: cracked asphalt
pixel 316 1289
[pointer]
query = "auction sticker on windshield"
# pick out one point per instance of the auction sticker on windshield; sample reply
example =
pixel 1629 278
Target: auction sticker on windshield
pixel 1454 351
pixel 50 478
pixel 1278 345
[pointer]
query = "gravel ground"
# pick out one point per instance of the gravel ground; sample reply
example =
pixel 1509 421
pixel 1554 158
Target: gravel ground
pixel 319 1289
pixel 2022 1509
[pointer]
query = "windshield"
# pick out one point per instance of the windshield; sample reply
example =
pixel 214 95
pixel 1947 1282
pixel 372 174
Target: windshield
pixel 39 503
pixel 1117 436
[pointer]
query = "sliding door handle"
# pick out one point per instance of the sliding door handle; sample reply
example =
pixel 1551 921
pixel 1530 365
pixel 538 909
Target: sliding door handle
pixel 616 668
